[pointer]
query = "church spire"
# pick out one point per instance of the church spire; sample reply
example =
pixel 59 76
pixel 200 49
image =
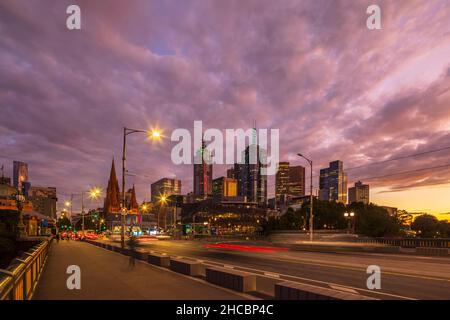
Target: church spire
pixel 112 200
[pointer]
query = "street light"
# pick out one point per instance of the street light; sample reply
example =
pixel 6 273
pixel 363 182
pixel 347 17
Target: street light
pixel 153 134
pixel 94 193
pixel 311 215
pixel 349 217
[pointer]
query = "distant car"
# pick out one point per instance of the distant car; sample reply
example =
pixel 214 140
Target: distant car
pixel 146 238
pixel 162 237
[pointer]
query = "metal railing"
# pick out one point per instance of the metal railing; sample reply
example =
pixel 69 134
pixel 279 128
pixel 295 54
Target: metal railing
pixel 409 242
pixel 19 280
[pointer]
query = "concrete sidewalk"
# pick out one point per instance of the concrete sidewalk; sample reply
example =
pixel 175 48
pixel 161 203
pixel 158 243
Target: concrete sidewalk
pixel 107 275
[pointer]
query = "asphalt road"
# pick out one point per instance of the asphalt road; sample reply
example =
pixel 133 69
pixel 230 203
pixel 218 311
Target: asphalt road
pixel 402 276
pixel 107 275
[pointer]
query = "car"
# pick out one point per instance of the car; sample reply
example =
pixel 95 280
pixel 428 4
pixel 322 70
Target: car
pixel 146 238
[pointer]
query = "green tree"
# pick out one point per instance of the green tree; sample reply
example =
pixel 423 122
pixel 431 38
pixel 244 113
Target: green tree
pixel 374 221
pixel 327 215
pixel 291 220
pixel 444 229
pixel 63 223
pixel 426 225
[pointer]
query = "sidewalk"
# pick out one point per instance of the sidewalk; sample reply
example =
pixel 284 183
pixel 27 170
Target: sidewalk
pixel 106 275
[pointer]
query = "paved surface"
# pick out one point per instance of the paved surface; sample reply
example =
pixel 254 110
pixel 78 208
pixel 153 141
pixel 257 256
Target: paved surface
pixel 107 275
pixel 402 276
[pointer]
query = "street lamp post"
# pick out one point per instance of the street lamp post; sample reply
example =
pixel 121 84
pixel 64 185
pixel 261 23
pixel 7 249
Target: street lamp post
pixel 126 132
pixel 311 215
pixel 350 216
pixel 82 213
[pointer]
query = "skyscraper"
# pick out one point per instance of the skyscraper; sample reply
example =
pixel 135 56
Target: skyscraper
pixel 202 173
pixel 359 193
pixel 333 183
pixel 224 187
pixel 296 181
pixel 289 181
pixel 230 173
pixel 165 186
pixel 112 200
pixel 282 181
pixel 253 183
pixel 20 174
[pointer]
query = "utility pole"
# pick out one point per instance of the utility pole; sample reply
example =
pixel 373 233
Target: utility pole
pixel 311 200
pixel 82 212
pixel 123 211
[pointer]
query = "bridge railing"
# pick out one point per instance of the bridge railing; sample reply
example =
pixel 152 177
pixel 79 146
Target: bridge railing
pixel 19 280
pixel 408 242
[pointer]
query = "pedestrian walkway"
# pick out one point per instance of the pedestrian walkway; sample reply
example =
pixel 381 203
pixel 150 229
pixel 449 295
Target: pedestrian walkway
pixel 107 275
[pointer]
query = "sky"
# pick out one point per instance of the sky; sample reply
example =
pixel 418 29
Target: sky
pixel 312 69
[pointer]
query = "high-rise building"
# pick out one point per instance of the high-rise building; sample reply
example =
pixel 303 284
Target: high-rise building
pixel 251 182
pixel 20 174
pixel 224 187
pixel 166 187
pixel 297 181
pixel 359 193
pixel 290 181
pixel 230 173
pixel 203 171
pixel 112 200
pixel 333 183
pixel 282 181
pixel 44 200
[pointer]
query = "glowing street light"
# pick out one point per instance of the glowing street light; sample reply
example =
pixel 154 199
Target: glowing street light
pixel 153 134
pixel 349 216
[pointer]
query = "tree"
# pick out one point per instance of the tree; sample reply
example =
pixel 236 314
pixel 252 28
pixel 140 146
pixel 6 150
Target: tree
pixel 63 223
pixel 426 225
pixel 327 215
pixel 374 221
pixel 444 229
pixel 291 220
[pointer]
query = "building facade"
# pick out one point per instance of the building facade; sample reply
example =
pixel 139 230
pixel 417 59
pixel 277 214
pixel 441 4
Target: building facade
pixel 333 183
pixel 224 187
pixel 251 182
pixel 289 181
pixel 359 193
pixel 20 174
pixel 203 171
pixel 44 200
pixel 166 187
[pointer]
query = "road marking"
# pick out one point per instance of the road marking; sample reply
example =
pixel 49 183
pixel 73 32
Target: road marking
pixel 326 283
pixel 361 269
pixel 343 289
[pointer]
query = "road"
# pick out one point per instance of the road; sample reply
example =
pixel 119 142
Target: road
pixel 402 276
pixel 107 275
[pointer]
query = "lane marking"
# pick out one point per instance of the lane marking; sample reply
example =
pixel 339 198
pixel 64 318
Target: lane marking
pixel 325 283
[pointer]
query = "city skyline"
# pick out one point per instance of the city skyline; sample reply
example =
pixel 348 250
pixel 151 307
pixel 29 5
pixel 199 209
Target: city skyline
pixel 386 99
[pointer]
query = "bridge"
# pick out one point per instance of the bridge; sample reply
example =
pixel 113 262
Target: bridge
pixel 237 270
